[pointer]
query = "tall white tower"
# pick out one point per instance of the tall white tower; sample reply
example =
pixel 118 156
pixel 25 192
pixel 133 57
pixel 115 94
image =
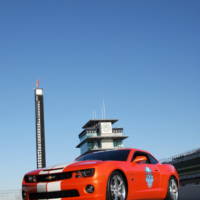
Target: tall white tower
pixel 40 130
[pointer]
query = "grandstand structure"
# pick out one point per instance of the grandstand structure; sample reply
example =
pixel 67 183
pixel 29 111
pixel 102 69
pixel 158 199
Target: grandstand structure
pixel 187 165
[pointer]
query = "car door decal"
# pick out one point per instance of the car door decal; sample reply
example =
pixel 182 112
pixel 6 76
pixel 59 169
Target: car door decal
pixel 149 177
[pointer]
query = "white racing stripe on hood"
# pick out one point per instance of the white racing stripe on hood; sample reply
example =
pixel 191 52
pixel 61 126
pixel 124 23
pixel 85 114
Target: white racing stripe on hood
pixel 44 199
pixel 63 165
pixel 53 199
pixel 55 171
pixel 58 166
pixel 43 172
pixel 87 163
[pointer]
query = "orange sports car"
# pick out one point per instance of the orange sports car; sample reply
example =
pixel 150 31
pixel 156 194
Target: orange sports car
pixel 123 174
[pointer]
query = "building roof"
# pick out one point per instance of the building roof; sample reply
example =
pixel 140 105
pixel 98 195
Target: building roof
pixel 93 122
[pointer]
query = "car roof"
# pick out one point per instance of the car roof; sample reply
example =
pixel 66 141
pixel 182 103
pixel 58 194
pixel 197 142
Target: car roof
pixel 131 149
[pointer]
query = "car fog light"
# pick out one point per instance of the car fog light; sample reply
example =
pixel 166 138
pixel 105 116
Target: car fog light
pixel 23 194
pixel 89 188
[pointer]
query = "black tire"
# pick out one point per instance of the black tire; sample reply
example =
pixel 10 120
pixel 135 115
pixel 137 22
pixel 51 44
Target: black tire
pixel 116 187
pixel 173 192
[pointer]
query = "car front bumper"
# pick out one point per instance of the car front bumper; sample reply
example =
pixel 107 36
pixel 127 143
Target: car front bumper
pixel 65 190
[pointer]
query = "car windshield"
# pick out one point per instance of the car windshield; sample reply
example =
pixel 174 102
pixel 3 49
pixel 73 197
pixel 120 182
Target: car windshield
pixel 116 155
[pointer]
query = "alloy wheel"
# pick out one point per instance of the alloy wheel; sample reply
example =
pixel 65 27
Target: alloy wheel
pixel 173 189
pixel 117 187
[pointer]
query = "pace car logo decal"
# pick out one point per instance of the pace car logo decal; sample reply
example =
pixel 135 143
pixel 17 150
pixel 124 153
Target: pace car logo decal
pixel 149 177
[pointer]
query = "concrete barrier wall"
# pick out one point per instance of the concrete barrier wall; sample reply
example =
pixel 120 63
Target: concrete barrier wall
pixel 10 195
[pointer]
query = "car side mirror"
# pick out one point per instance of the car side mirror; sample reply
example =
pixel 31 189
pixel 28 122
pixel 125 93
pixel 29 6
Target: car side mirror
pixel 140 159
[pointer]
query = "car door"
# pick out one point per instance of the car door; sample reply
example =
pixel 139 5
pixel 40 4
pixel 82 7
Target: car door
pixel 153 175
pixel 138 177
pixel 146 178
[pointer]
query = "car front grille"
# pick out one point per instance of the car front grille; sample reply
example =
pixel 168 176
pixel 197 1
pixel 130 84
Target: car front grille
pixel 52 177
pixel 53 195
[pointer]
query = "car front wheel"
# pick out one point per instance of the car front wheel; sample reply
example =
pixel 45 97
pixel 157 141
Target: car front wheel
pixel 172 193
pixel 116 187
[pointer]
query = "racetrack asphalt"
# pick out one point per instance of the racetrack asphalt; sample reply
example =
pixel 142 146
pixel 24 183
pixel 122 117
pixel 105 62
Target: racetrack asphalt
pixel 189 192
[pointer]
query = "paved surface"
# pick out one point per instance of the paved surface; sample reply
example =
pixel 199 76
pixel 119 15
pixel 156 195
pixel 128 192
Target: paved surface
pixel 190 192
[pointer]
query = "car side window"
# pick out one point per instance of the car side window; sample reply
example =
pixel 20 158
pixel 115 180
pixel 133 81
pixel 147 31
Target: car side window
pixel 152 159
pixel 140 153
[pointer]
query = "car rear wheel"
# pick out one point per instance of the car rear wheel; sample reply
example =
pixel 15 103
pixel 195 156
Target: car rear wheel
pixel 116 187
pixel 172 193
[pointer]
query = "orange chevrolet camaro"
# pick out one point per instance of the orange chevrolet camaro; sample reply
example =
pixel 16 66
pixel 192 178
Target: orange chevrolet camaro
pixel 123 174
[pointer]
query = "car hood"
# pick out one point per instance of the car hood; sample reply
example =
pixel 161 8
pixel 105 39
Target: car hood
pixel 76 165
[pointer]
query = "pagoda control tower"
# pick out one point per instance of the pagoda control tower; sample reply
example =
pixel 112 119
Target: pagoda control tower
pixel 99 135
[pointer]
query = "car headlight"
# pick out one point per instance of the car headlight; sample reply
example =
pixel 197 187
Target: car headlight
pixel 84 173
pixel 30 178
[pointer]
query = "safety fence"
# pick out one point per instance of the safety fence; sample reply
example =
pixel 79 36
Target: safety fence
pixel 10 195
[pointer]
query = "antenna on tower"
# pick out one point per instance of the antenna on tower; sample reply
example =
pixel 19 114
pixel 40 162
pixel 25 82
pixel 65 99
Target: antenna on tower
pixel 103 110
pixel 37 84
pixel 94 115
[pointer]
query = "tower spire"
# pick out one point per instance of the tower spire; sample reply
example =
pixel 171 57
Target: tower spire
pixel 103 111
pixel 37 83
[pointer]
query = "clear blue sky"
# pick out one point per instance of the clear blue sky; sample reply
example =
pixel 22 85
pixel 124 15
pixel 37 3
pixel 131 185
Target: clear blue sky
pixel 142 57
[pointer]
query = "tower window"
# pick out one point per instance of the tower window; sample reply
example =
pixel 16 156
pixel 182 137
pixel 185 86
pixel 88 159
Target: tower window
pixel 117 143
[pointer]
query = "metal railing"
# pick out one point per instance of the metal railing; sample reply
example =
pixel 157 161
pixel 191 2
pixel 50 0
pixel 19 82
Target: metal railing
pixel 184 156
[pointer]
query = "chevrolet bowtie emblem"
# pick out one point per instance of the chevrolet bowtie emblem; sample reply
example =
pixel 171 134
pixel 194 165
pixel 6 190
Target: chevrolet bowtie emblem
pixel 50 177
